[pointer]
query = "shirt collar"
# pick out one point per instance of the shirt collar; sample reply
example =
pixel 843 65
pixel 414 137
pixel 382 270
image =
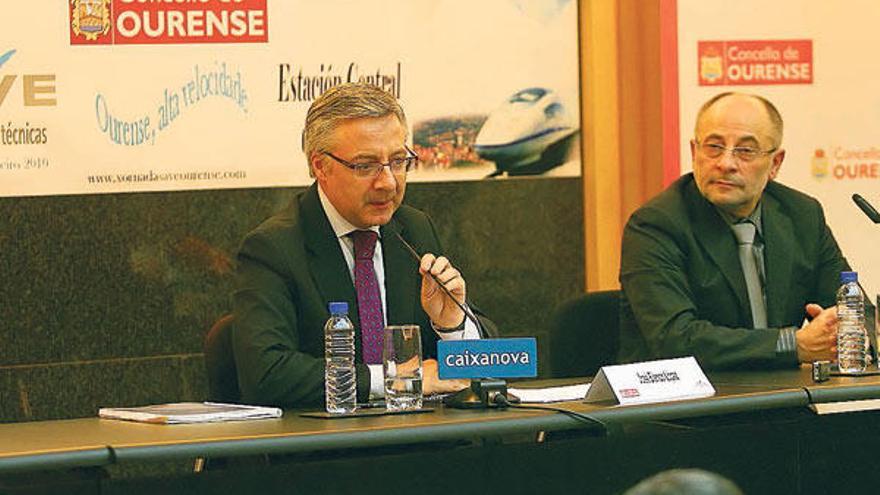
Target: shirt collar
pixel 755 217
pixel 341 226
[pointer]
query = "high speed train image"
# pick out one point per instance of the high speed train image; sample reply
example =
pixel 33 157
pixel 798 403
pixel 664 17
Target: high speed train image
pixel 529 133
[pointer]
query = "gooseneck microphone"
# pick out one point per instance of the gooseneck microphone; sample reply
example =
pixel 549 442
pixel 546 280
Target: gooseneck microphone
pixel 866 207
pixel 870 309
pixel 467 312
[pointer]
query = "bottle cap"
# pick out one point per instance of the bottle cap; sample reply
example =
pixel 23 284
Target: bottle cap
pixel 338 308
pixel 846 277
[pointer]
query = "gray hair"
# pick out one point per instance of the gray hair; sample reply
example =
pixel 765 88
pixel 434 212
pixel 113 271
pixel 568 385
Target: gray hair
pixel 685 482
pixel 772 112
pixel 343 102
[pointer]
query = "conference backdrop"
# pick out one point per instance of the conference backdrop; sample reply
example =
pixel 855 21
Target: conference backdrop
pixel 814 61
pixel 103 96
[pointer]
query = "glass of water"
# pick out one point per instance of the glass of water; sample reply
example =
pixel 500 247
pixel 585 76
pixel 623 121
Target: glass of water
pixel 402 365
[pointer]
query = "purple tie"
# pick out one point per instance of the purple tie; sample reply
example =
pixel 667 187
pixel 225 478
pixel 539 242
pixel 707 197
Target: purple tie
pixel 368 298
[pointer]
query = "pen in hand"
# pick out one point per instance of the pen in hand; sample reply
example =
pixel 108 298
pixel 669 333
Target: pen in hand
pixel 418 258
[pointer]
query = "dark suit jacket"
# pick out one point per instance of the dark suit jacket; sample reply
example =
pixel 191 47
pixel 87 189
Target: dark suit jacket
pixel 683 287
pixel 289 268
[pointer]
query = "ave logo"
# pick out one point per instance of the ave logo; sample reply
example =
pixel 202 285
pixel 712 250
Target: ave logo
pixel 37 90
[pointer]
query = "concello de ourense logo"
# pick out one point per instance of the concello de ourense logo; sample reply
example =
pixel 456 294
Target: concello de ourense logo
pixel 144 22
pixel 754 62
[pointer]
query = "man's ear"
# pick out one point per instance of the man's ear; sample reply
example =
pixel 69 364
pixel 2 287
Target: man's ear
pixel 317 167
pixel 778 157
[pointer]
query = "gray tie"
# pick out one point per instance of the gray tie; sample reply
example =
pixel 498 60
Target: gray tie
pixel 748 258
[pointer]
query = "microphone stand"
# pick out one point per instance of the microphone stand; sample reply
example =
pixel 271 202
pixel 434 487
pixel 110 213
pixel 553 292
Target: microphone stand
pixel 870 309
pixel 483 392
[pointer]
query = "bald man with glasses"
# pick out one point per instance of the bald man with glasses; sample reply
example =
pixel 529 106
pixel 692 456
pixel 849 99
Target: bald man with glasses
pixel 727 263
pixel 338 241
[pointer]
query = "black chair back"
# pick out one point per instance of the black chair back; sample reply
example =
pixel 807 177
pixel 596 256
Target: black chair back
pixel 220 362
pixel 585 334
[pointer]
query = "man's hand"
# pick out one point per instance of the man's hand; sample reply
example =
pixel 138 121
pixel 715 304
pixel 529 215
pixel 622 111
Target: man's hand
pixel 432 384
pixel 817 340
pixel 437 305
pixel 814 310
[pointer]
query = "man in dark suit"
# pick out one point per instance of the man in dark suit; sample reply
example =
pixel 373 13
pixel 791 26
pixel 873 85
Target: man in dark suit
pixel 693 284
pixel 292 265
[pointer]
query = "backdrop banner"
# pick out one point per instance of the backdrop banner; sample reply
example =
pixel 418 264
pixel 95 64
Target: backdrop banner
pixel 100 96
pixel 808 58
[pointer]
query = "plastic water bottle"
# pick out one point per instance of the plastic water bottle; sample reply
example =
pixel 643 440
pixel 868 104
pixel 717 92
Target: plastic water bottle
pixel 852 338
pixel 340 383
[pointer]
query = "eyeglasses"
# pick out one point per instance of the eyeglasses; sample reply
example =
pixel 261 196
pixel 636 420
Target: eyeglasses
pixel 398 166
pixel 744 154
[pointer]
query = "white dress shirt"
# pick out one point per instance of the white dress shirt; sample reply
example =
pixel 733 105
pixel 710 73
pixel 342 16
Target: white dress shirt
pixel 342 227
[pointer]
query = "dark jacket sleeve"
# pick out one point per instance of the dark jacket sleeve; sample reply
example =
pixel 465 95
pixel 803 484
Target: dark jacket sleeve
pixel 676 303
pixel 273 369
pixel 660 298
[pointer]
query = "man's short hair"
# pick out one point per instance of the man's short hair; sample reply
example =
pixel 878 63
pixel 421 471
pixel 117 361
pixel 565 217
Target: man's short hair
pixel 343 102
pixel 685 482
pixel 772 112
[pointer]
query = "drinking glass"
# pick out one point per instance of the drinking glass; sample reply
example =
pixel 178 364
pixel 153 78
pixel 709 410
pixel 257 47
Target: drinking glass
pixel 402 366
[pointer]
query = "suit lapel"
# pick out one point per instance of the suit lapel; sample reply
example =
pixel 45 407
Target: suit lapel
pixel 401 280
pixel 779 244
pixel 326 263
pixel 713 233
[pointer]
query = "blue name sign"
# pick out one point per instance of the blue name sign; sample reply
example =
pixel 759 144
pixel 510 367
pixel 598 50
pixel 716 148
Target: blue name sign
pixel 487 358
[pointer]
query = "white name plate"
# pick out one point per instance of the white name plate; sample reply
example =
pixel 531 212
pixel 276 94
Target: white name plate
pixel 650 381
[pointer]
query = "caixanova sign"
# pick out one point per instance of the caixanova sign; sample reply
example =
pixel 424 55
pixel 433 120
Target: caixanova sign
pixel 122 22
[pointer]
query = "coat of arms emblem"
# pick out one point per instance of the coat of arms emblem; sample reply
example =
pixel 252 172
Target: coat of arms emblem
pixel 711 67
pixel 90 19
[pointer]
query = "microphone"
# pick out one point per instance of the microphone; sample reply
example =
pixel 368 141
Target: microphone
pixel 866 207
pixel 467 312
pixel 872 213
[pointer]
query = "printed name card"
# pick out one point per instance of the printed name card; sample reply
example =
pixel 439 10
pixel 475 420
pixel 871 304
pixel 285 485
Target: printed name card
pixel 487 358
pixel 651 381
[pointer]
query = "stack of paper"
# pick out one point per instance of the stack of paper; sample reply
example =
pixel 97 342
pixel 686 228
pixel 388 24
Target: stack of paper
pixel 189 412
pixel 551 394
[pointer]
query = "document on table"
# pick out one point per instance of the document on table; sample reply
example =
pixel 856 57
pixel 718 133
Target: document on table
pixel 551 394
pixel 189 412
pixel 846 406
